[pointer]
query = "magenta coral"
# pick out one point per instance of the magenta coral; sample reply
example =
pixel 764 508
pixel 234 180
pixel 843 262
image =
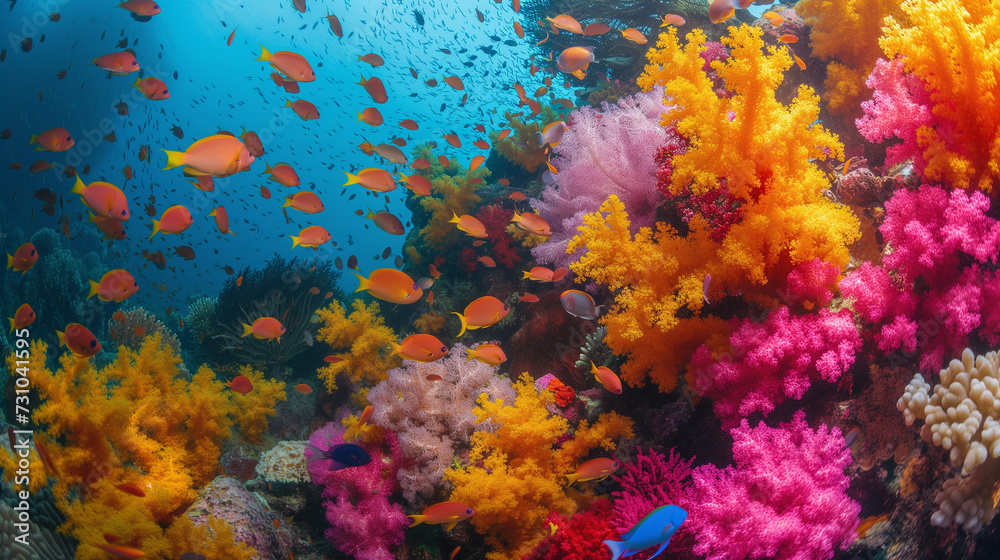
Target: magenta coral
pixel 774 360
pixel 785 498
pixel 648 482
pixel 581 537
pixel 495 219
pixel 603 153
pixel 899 106
pixel 812 283
pixel 939 292
pixel 357 499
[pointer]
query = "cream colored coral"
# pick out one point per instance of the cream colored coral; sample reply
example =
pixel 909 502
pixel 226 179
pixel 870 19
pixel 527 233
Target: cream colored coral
pixel 962 413
pixel 284 462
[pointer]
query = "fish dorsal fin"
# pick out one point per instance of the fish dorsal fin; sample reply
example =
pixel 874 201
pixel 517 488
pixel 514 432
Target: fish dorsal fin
pixel 206 139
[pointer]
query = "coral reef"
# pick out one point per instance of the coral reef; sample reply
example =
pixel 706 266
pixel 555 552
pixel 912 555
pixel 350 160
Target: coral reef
pixel 766 506
pixel 361 340
pixel 250 518
pixel 579 537
pixel 495 219
pixel 135 324
pixel 882 434
pixel 200 314
pixel 516 468
pixel 433 423
pixel 521 147
pixel 284 462
pixel 650 481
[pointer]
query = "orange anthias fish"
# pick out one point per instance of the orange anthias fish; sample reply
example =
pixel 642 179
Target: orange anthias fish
pixel 131 488
pixel 152 88
pixel 470 225
pixel 387 222
pixel 118 63
pixel 481 313
pixel 23 317
pixel 420 348
pixel 373 59
pixel 575 59
pixel 389 284
pixel 53 140
pixel 141 7
pixel 721 10
pixel 283 174
pixel 607 378
pixel 566 23
pixel 117 285
pixel 219 155
pixel 241 384
pixel 531 223
pixel 304 109
pixel 104 199
pixel 538 274
pixel 175 220
pixel 455 82
pixel 409 124
pixel 119 551
pixel 417 183
pixel 252 142
pixel 312 236
pixel 449 513
pixel 264 328
pixel 80 341
pixel 391 153
pixel 293 66
pixel 303 388
pixel 23 258
pixel 304 201
pixel 373 178
pixel 594 469
pixel 375 89
pixel 635 36
pixel 371 116
pixel 221 220
pixel 487 353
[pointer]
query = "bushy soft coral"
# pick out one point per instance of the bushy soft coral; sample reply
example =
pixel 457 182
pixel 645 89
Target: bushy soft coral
pixel 944 249
pixel 495 219
pixel 650 481
pixel 812 283
pixel 950 47
pixel 436 418
pixel 899 107
pixel 516 475
pixel 580 537
pixel 363 521
pixel 776 359
pixel 362 339
pixel 785 498
pixel 603 153
pixel 454 192
pixel 521 148
pixel 563 394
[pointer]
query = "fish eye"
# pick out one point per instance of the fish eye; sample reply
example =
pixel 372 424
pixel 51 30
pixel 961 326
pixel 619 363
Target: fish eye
pixel 69 138
pixel 282 329
pixel 135 63
pixel 505 308
pixel 415 286
pixel 615 464
pixel 33 251
pixel 444 349
pixel 124 212
pixel 468 511
pixel 93 343
pixel 164 92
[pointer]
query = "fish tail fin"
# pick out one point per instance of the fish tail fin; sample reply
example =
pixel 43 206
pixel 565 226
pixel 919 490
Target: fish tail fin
pixel 34 137
pixel 617 548
pixel 265 55
pixel 371 215
pixel 526 275
pixel 472 354
pixel 454 218
pixel 137 82
pixel 593 367
pixel 247 329
pixel 395 348
pixel 94 287
pixel 352 179
pixel 62 338
pixel 11 319
pixel 462 319
pixel 363 283
pixel 288 202
pixel 570 479
pixel 244 133
pixel 363 80
pixel 295 241
pixel 317 453
pixel 267 169
pixel 78 186
pixel 359 117
pixel 450 526
pixel 417 519
pixel 212 213
pixel 10 260
pixel 156 228
pixel 404 177
pixel 288 103
pixel 174 159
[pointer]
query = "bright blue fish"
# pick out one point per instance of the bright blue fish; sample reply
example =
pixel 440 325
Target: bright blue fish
pixel 654 529
pixel 341 456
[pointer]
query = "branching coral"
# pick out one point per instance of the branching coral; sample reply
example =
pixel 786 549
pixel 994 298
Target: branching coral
pixel 135 325
pixel 435 418
pixel 776 359
pixel 199 315
pixel 579 537
pixel 785 499
pixel 361 339
pixel 138 420
pixel 516 474
pixel 933 291
pixel 899 107
pixel 521 147
pixel 950 49
pixel 495 219
pixel 650 481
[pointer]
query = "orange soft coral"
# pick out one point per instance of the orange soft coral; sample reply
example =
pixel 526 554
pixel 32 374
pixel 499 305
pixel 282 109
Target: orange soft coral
pixel 363 341
pixel 760 150
pixel 845 33
pixel 516 477
pixel 137 420
pixel 952 49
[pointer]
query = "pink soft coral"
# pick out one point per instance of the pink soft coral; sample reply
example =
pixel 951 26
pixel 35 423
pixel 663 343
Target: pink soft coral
pixel 812 283
pixel 357 498
pixel 648 482
pixel 785 498
pixel 899 106
pixel 603 153
pixel 773 360
pixel 943 247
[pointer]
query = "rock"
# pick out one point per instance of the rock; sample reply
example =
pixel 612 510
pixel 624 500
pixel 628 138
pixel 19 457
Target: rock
pixel 250 516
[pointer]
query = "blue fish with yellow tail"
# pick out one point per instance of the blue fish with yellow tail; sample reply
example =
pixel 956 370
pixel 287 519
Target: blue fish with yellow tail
pixel 654 529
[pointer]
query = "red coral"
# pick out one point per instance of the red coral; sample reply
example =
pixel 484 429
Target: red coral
pixel 495 219
pixel 467 260
pixel 550 341
pixel 565 395
pixel 578 538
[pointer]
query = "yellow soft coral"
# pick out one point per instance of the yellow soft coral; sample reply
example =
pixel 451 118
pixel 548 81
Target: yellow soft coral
pixel 952 48
pixel 362 340
pixel 137 420
pixel 516 476
pixel 453 194
pixel 760 150
pixel 521 147
pixel 845 33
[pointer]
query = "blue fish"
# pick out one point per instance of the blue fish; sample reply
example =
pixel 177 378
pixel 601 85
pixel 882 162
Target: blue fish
pixel 654 529
pixel 341 456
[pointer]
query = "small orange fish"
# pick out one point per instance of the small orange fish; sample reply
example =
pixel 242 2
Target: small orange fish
pixel 529 298
pixel 389 284
pixel 482 312
pixel 595 469
pixel 470 225
pixel 423 348
pixel 487 261
pixel 607 378
pixel 538 274
pixel 332 359
pixel 449 513
pixel 264 328
pixel 241 384
pixel 788 38
pixel 23 317
pixel 119 551
pixel 455 82
pixel 139 331
pixel 305 390
pixel 487 353
pixel 434 377
pixel 131 488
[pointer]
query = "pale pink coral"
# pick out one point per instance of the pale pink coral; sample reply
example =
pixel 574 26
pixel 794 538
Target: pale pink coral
pixel 785 498
pixel 943 247
pixel 603 153
pixel 773 360
pixel 435 419
pixel 899 107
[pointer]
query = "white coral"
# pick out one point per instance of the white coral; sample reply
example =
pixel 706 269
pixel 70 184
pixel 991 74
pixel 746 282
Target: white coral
pixel 284 462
